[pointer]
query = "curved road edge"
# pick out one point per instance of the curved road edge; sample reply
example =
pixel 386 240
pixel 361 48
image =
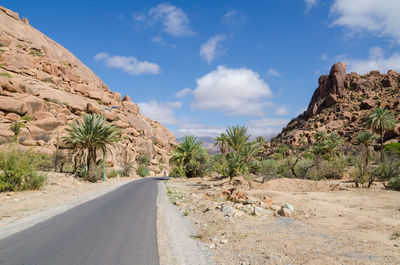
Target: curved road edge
pixel 175 245
pixel 39 217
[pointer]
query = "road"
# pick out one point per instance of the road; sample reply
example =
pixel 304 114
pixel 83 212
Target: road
pixel 116 228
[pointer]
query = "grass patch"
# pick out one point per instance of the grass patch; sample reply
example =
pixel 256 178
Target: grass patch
pixel 48 80
pixel 395 235
pixel 36 52
pixel 26 117
pixel 6 74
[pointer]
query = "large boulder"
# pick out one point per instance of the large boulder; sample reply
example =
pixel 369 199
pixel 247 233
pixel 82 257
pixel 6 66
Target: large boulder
pixel 48 124
pixel 8 104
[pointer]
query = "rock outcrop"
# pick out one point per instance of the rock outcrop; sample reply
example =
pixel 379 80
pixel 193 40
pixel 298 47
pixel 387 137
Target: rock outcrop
pixel 341 104
pixel 45 86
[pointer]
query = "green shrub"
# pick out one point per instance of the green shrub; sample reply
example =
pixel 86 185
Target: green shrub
pixel 112 173
pixel 142 159
pixel 19 171
pixel 6 75
pixel 126 169
pixel 16 127
pixel 142 170
pixel 392 148
pixel 177 172
pixel 26 117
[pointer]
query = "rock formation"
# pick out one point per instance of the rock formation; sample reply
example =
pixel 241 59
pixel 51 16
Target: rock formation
pixel 45 86
pixel 341 104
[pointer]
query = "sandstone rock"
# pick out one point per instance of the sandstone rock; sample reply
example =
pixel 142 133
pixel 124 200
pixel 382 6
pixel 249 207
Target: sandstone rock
pixel 227 210
pixel 33 104
pixel 347 115
pixel 8 104
pixel 288 206
pixel 122 124
pixel 388 81
pixel 330 100
pixel 97 95
pixel 41 142
pixel 40 115
pixel 12 116
pixel 10 13
pixel 92 108
pixel 6 133
pixel 285 212
pixel 48 124
pixel 367 104
pixel 29 142
pixel 131 107
pixel 126 98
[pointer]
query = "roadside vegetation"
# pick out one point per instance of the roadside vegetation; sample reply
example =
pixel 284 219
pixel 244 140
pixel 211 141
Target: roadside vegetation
pixel 364 161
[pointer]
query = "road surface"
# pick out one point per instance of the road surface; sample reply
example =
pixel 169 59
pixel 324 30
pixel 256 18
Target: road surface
pixel 118 228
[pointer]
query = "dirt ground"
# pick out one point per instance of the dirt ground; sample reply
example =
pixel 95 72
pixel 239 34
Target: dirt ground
pixel 60 189
pixel 343 226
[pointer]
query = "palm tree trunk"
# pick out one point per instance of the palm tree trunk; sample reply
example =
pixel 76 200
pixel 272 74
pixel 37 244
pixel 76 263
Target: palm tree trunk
pixel 382 151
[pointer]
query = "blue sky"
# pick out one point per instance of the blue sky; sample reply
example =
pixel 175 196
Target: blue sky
pixel 199 66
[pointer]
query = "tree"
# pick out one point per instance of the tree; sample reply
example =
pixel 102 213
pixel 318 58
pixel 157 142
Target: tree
pixel 249 151
pixel 237 137
pixel 326 145
pixel 89 136
pixel 381 120
pixel 190 158
pixel 222 143
pixel 367 140
pixel 260 140
pixel 283 150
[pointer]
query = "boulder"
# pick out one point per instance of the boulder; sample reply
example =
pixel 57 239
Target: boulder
pixel 285 212
pixel 6 133
pixel 48 124
pixel 12 116
pixel 29 142
pixel 367 104
pixel 95 94
pixel 126 98
pixel 33 104
pixel 122 124
pixel 131 107
pixel 92 108
pixel 40 115
pixel 8 104
pixel 227 210
pixel 389 81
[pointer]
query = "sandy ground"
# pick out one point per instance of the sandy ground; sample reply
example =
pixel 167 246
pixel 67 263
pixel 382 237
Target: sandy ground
pixel 344 226
pixel 63 191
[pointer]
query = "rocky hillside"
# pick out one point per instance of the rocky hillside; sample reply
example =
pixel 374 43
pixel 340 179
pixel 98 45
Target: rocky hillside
pixel 341 104
pixel 45 86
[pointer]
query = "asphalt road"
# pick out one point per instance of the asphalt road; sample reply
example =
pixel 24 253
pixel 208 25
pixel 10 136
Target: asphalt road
pixel 118 228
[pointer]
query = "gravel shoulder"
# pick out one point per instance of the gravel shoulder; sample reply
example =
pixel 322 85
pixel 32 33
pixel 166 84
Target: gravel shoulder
pixel 175 236
pixel 20 210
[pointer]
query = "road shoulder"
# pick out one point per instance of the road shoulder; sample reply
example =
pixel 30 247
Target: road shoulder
pixel 174 235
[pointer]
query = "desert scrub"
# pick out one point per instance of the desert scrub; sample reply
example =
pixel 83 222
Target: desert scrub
pixel 142 170
pixel 113 173
pixel 19 171
pixel 36 52
pixel 26 117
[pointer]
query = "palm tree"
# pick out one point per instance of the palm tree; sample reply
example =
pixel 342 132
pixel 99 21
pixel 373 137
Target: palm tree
pixel 283 150
pixel 236 165
pixel 188 151
pixel 367 140
pixel 381 120
pixel 260 140
pixel 90 135
pixel 249 151
pixel 222 143
pixel 237 137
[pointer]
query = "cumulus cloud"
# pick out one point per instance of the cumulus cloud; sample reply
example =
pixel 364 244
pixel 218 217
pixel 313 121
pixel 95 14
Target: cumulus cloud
pixel 273 72
pixel 208 50
pixel 174 20
pixel 267 127
pixel 234 91
pixel 310 4
pixel 281 111
pixel 184 92
pixel 130 65
pixel 377 17
pixel 233 17
pixel 375 61
pixel 162 112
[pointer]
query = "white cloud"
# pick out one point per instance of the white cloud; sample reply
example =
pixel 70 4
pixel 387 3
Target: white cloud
pixel 209 49
pixel 233 91
pixel 199 130
pixel 140 17
pixel 324 57
pixel 174 19
pixel 162 112
pixel 157 39
pixel 281 111
pixel 268 127
pixel 274 72
pixel 310 4
pixel 184 92
pixel 375 61
pixel 130 65
pixel 378 17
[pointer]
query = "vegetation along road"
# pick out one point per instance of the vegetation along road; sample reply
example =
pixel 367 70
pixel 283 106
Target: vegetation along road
pixel 116 228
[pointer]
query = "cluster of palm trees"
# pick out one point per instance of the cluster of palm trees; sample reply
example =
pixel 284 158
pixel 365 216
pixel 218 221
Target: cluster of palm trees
pixel 237 154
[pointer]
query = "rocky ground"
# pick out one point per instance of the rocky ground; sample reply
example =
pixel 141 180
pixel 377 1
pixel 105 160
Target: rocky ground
pixel 61 189
pixel 343 226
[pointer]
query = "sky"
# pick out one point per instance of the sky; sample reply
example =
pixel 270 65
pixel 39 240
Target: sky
pixel 199 66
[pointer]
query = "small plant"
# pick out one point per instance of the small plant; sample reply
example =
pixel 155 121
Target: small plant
pixel 142 170
pixel 36 52
pixel 395 236
pixel 16 128
pixel 185 213
pixel 112 173
pixel 26 117
pixel 48 80
pixel 6 75
pixel 19 46
pixel 1 50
